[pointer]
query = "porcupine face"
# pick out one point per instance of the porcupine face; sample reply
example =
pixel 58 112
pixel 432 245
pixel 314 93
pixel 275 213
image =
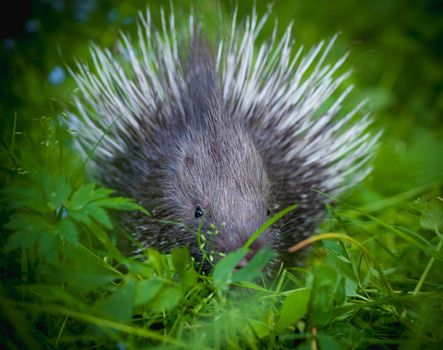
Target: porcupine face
pixel 222 187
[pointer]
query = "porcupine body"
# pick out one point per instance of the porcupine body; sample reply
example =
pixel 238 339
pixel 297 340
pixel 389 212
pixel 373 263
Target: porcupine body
pixel 228 133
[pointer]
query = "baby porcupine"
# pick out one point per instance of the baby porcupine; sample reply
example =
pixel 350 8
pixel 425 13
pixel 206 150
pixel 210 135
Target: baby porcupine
pixel 228 133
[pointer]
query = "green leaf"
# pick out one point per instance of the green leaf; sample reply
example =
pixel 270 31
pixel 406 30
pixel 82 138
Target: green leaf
pixel 146 290
pixel 337 256
pixel 48 248
pixel 101 193
pixel 223 271
pixel 89 203
pixel 22 197
pixel 81 196
pixel 156 259
pixel 58 192
pixel 82 271
pixel 181 258
pixel 106 241
pixel 326 342
pixel 167 299
pixel 255 267
pixel 431 217
pixel 188 278
pixel 294 307
pixel 28 230
pixel 81 215
pixel 328 292
pixel 68 231
pixel 260 328
pixel 99 215
pixel 118 203
pixel 141 269
pixel 120 304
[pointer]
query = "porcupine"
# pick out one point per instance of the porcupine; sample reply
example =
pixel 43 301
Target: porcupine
pixel 221 135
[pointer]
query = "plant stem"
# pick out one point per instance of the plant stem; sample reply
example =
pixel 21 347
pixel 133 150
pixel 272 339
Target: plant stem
pixel 428 267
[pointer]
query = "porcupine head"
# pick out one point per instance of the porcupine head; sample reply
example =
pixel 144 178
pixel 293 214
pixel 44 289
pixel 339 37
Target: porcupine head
pixel 217 137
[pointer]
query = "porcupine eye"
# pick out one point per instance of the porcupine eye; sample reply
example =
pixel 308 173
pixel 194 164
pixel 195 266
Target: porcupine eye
pixel 269 212
pixel 198 212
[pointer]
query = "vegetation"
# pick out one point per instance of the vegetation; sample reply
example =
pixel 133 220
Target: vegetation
pixel 374 277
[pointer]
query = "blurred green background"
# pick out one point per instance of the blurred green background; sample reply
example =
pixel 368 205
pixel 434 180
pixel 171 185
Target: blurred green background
pixel 396 54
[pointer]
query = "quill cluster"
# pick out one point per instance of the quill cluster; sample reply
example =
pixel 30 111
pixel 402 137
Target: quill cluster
pixel 220 134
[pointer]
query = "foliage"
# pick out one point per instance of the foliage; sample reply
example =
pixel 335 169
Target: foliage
pixel 373 280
